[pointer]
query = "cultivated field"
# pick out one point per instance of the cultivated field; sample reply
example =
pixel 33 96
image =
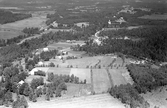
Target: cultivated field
pixel 60 45
pixel 14 29
pixel 106 61
pixel 93 101
pixel 82 74
pixel 101 82
pixel 77 90
pixel 117 77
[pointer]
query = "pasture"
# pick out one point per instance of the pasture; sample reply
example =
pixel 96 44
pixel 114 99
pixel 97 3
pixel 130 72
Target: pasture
pixel 101 82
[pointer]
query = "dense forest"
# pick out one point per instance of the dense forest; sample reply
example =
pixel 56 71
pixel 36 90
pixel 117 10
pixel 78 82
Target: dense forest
pixel 7 16
pixel 152 44
pixel 147 78
pixel 106 11
pixel 129 95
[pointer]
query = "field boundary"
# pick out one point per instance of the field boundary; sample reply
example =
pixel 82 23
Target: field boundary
pixel 91 76
pixel 109 75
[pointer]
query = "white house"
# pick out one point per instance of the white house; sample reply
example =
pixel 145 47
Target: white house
pixel 126 38
pixel 82 24
pixel 40 63
pixel 45 49
pixel 21 82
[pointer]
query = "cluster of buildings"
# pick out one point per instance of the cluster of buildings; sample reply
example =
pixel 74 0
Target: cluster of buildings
pixel 116 23
pixel 138 62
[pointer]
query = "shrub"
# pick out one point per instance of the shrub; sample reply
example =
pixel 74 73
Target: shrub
pixel 37 82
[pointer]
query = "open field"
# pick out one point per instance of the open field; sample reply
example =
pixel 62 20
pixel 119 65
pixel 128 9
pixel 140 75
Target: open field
pixel 101 82
pixel 157 97
pixel 7 34
pixel 106 61
pixel 78 90
pixel 117 63
pixel 14 29
pixel 30 22
pixel 82 74
pixel 60 45
pixel 93 101
pixel 155 17
pixel 59 71
pixel 117 77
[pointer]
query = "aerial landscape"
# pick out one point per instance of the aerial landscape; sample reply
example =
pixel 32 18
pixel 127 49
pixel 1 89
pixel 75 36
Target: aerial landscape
pixel 83 53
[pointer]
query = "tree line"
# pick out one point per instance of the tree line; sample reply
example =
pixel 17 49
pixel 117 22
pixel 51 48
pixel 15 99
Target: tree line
pixel 8 17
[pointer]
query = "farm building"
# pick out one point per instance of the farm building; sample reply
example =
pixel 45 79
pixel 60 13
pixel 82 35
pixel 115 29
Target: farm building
pixel 55 24
pixel 45 49
pixel 44 69
pixel 82 24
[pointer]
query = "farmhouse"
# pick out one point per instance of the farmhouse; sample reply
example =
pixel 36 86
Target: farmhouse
pixel 55 24
pixel 33 71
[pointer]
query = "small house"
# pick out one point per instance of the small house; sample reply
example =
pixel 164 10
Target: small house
pixel 45 49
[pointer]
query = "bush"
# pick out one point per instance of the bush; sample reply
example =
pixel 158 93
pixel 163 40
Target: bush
pixel 37 82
